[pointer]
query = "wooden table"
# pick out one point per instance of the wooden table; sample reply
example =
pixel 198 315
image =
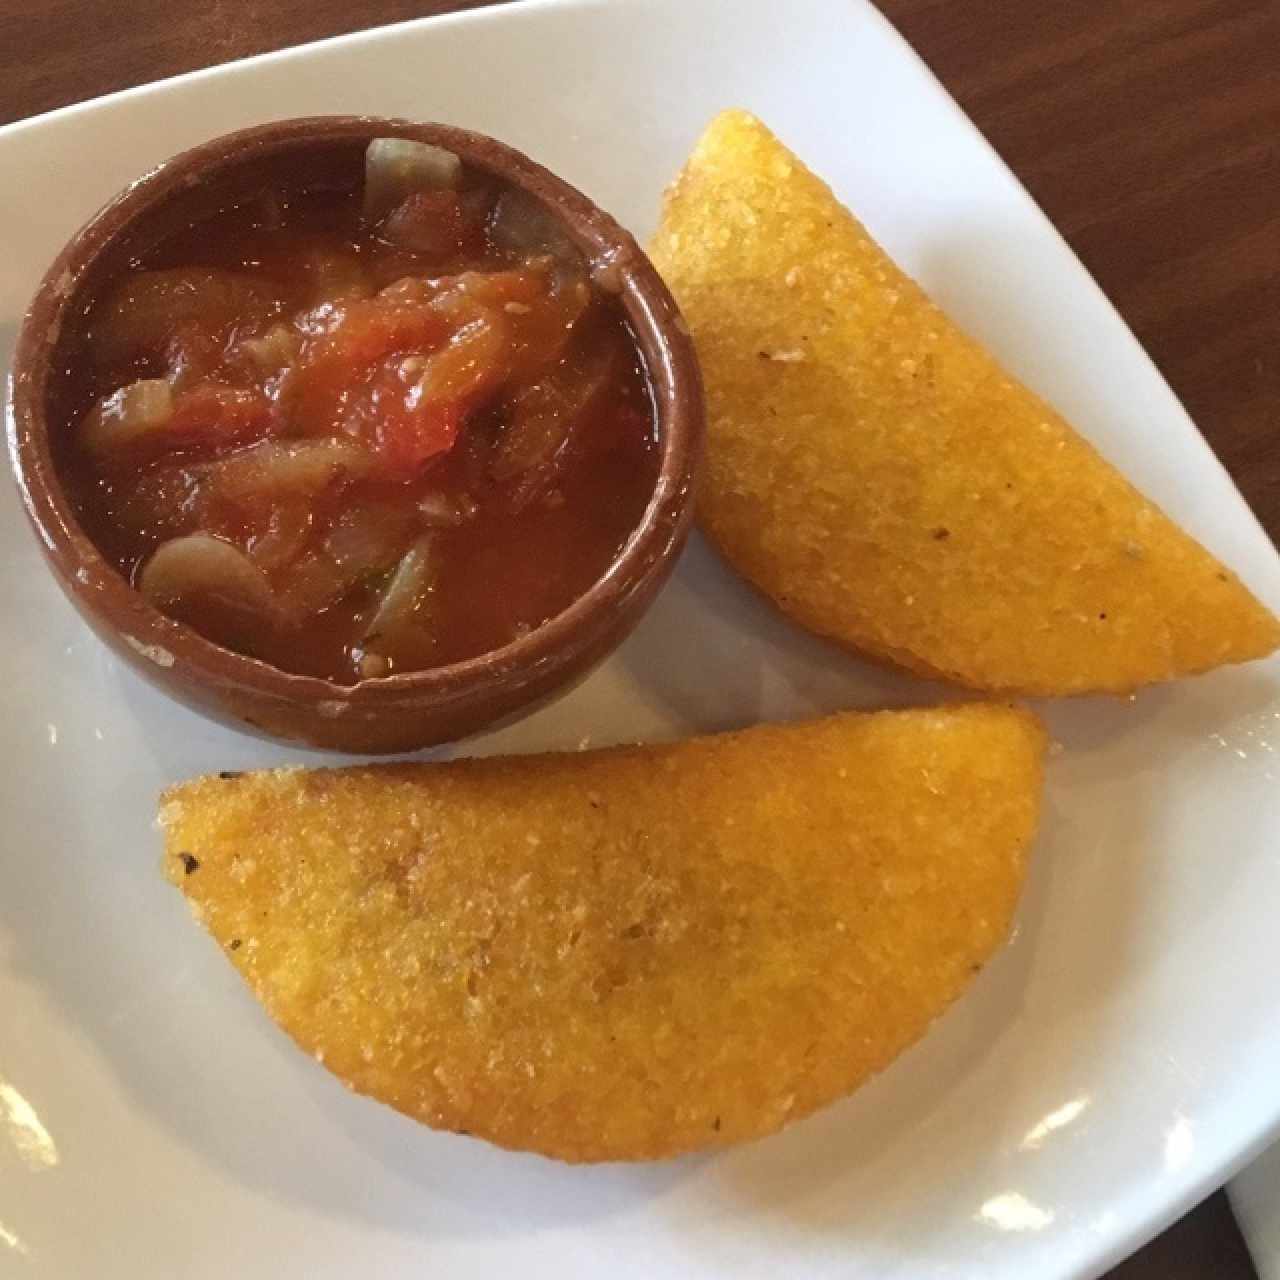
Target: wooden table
pixel 1146 128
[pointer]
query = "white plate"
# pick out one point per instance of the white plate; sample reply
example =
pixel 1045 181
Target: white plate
pixel 1117 1061
pixel 1255 1196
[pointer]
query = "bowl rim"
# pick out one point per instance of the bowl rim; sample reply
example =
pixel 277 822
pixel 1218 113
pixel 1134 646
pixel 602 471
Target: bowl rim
pixel 617 264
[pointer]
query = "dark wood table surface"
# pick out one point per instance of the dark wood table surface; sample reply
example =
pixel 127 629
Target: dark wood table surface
pixel 1149 130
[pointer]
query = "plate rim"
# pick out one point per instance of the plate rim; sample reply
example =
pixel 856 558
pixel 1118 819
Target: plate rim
pixel 1073 1260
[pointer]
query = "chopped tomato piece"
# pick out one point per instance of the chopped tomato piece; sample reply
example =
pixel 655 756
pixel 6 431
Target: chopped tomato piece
pixel 408 430
pixel 370 330
pixel 524 287
pixel 336 364
pixel 212 414
pixel 432 222
pixel 474 363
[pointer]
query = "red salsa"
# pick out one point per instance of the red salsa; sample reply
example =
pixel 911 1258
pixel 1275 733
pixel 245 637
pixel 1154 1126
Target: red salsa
pixel 355 432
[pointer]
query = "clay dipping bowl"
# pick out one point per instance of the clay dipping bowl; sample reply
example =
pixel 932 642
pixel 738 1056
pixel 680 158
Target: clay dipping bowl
pixel 399 712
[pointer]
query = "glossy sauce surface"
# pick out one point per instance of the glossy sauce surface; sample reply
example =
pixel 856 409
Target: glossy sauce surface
pixel 353 440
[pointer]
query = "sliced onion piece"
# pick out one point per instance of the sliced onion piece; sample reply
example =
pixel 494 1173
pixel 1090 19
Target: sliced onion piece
pixel 370 538
pixel 200 566
pixel 523 225
pixel 274 350
pixel 409 291
pixel 401 627
pixel 275 468
pixel 398 167
pixel 127 415
pixel 545 418
pixel 140 317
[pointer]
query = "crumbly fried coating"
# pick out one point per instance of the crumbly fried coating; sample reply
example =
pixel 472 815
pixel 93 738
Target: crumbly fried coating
pixel 875 471
pixel 622 954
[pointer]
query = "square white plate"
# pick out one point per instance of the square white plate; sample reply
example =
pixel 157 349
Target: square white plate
pixel 1119 1059
pixel 1255 1197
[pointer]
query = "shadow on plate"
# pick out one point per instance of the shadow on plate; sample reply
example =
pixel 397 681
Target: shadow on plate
pixel 716 654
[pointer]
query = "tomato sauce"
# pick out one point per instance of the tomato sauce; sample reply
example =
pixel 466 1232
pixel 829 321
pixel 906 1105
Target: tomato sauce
pixel 363 431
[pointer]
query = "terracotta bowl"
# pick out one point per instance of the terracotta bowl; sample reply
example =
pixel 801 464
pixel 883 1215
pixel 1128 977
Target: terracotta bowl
pixel 397 712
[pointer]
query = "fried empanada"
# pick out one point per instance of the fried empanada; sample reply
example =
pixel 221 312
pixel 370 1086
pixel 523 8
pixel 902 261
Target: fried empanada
pixel 888 484
pixel 623 954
